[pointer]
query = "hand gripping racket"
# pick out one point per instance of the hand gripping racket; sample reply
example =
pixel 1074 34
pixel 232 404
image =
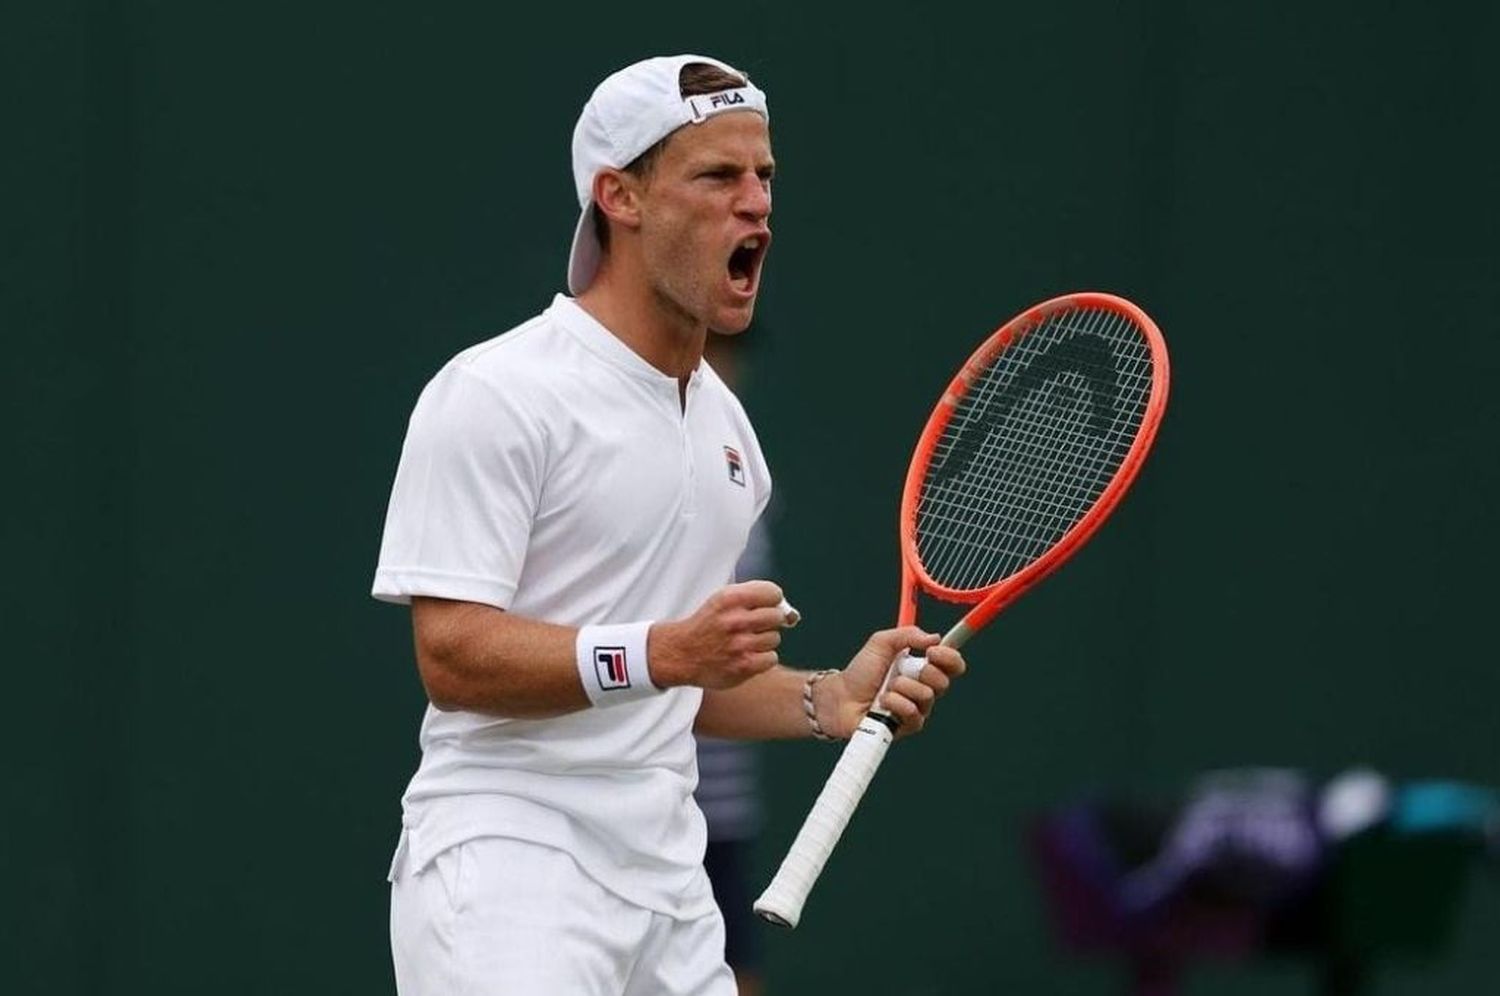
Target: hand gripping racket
pixel 1028 451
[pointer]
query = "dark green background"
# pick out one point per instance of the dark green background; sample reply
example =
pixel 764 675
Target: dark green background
pixel 239 237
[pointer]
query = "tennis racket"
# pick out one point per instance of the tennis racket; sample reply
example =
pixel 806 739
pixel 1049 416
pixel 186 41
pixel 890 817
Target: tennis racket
pixel 1030 448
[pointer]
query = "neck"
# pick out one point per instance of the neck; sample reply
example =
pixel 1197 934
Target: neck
pixel 655 328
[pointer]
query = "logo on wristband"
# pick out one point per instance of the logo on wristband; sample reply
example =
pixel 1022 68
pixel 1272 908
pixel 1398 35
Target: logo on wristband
pixel 609 663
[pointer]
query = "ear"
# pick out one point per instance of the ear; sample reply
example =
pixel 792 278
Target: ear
pixel 618 195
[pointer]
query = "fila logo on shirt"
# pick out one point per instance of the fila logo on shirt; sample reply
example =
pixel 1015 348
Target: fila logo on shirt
pixel 736 465
pixel 609 663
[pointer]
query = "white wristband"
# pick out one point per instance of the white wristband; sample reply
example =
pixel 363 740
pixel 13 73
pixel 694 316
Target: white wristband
pixel 612 663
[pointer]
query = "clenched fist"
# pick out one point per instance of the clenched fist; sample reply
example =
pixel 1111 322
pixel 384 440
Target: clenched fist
pixel 732 637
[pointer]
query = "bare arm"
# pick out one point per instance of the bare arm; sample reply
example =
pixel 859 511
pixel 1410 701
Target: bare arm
pixel 769 706
pixel 483 659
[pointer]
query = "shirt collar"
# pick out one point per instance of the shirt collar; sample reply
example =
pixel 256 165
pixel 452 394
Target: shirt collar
pixel 609 347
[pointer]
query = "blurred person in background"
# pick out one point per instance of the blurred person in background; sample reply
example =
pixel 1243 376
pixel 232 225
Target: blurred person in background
pixel 729 791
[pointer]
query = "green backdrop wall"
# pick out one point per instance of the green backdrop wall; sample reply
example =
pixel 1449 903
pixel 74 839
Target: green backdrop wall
pixel 239 237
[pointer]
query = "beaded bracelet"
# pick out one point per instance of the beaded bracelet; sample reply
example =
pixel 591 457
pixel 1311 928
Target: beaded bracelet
pixel 807 704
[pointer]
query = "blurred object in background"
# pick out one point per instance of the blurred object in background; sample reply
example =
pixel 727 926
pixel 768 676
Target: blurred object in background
pixel 1257 862
pixel 1247 835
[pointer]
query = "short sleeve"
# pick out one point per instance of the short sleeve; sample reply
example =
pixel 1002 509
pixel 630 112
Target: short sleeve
pixel 466 490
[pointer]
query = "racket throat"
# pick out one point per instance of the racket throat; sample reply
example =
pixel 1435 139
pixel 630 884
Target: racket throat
pixel 960 633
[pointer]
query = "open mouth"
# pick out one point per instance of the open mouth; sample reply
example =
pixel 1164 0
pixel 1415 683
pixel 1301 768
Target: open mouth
pixel 744 263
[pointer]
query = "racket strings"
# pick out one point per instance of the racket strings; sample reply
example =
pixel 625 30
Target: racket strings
pixel 1035 444
pixel 1003 528
pixel 1032 445
pixel 1030 439
pixel 1020 522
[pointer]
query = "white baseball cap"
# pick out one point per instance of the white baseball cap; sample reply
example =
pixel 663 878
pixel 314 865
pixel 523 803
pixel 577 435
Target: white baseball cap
pixel 628 113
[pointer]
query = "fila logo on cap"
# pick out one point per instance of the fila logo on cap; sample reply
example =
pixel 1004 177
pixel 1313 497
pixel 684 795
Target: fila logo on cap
pixel 705 105
pixel 609 662
pixel 736 467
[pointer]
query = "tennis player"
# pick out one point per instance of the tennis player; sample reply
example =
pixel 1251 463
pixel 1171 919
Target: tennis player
pixel 571 499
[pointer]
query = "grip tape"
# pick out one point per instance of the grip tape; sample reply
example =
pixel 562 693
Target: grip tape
pixel 783 899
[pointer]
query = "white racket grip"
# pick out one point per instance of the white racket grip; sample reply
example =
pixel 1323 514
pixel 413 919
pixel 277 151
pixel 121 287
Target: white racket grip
pixel 782 901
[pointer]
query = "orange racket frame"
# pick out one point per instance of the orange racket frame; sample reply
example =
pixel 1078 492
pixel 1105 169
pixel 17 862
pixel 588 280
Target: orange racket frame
pixel 993 598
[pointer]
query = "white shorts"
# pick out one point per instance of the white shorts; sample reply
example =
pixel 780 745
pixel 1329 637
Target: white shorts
pixel 498 916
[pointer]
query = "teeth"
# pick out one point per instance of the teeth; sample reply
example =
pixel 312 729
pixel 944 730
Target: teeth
pixel 752 243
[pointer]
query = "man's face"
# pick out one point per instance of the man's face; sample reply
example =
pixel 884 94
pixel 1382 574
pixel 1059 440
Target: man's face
pixel 705 208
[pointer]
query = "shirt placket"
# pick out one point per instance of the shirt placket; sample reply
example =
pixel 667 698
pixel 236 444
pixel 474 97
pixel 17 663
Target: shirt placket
pixel 685 438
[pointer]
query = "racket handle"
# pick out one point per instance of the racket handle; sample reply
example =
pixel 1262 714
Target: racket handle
pixel 782 901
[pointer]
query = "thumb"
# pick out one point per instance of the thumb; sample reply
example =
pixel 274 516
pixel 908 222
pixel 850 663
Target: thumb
pixel 893 641
pixel 757 594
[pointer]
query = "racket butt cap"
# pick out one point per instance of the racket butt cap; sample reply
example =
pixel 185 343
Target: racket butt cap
pixel 784 912
pixel 774 919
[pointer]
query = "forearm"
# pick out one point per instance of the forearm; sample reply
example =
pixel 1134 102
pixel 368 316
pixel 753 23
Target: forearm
pixel 767 707
pixel 482 659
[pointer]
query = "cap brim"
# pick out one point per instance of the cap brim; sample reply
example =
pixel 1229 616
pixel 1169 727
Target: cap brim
pixel 583 259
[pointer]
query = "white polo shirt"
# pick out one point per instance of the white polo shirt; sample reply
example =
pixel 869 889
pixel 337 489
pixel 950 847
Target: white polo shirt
pixel 554 473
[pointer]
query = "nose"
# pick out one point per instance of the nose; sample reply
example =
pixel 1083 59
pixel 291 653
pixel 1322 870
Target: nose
pixel 754 202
